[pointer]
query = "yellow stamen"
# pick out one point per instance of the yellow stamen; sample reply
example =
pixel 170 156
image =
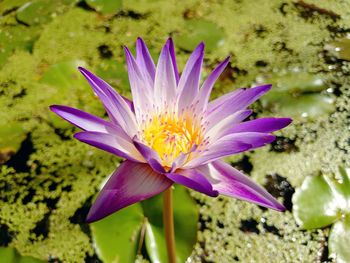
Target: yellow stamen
pixel 170 135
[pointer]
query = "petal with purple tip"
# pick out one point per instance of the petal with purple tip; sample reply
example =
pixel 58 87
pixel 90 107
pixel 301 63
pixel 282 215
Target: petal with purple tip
pixel 229 181
pixel 204 92
pixel 173 59
pixel 261 125
pixel 129 184
pixel 111 143
pixel 145 61
pixel 189 82
pixel 88 122
pixel 193 179
pixel 165 81
pixel 141 88
pixel 239 102
pixel 116 107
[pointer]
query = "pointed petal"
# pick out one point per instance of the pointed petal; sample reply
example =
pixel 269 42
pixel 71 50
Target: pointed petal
pixel 145 61
pixel 204 92
pixel 189 82
pixel 111 143
pixel 173 59
pixel 81 119
pixel 239 102
pixel 130 183
pixel 151 156
pixel 165 82
pixel 213 105
pixel 261 125
pixel 229 181
pixel 217 151
pixel 193 179
pixel 224 126
pixel 116 107
pixel 141 89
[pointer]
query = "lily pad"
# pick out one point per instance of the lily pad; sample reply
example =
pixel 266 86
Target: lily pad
pixel 116 237
pixel 200 30
pixel 11 137
pixel 106 7
pixel 10 255
pixel 8 5
pixel 41 11
pixel 297 94
pixel 67 81
pixel 113 73
pixel 339 240
pixel 12 38
pixel 119 237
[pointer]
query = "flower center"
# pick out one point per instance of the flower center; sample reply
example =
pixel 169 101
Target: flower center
pixel 169 136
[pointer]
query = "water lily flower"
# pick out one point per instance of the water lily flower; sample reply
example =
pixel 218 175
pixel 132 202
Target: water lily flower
pixel 171 132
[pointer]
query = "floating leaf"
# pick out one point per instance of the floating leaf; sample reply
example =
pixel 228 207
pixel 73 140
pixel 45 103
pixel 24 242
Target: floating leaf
pixel 10 255
pixel 185 221
pixel 19 37
pixel 297 94
pixel 340 48
pixel 339 240
pixel 321 200
pixel 200 30
pixel 118 236
pixel 113 73
pixel 11 137
pixel 107 7
pixel 8 5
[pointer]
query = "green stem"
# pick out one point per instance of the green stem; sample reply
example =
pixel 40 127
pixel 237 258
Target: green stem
pixel 168 220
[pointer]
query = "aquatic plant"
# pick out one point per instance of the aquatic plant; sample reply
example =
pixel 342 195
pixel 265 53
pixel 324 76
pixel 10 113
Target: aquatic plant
pixel 171 133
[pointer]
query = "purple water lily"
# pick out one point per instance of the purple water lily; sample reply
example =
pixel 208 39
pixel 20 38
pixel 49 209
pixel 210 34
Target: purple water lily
pixel 171 133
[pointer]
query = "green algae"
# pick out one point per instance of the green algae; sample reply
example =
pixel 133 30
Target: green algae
pixel 45 202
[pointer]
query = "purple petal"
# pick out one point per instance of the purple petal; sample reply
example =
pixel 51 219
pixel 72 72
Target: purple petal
pixel 145 61
pixel 189 82
pixel 193 179
pixel 255 139
pixel 116 107
pixel 129 103
pixel 229 181
pixel 204 92
pixel 213 105
pixel 165 82
pixel 239 102
pixel 141 88
pixel 222 127
pixel 81 119
pixel 130 183
pixel 111 143
pixel 151 156
pixel 261 125
pixel 173 59
pixel 218 150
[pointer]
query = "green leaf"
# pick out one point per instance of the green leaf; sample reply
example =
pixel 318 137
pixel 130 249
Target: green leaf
pixel 8 5
pixel 106 7
pixel 197 31
pixel 12 38
pixel 339 240
pixel 67 81
pixel 321 200
pixel 10 255
pixel 306 106
pixel 185 221
pixel 113 73
pixel 297 94
pixel 116 237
